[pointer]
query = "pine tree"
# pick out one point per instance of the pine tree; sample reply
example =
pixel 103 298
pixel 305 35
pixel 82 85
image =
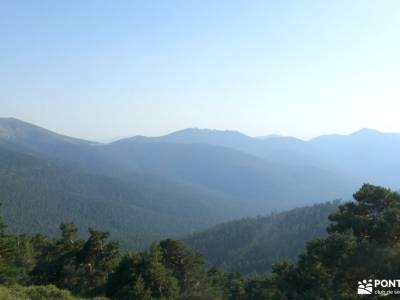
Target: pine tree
pixel 7 254
pixel 139 291
pixel 96 260
pixel 186 265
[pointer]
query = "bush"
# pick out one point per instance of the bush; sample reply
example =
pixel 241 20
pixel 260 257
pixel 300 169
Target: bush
pixel 48 292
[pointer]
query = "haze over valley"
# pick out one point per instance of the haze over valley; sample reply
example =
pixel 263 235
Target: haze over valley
pixel 143 189
pixel 199 150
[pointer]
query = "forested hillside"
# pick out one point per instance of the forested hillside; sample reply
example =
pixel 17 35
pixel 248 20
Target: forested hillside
pixel 362 242
pixel 253 245
pixel 199 150
pixel 143 189
pixel 142 192
pixel 257 185
pixel 37 195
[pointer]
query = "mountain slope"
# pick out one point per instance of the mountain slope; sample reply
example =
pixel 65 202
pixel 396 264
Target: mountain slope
pixel 254 184
pixel 254 244
pixel 257 185
pixel 38 195
pixel 364 156
pixel 287 150
pixel 186 180
pixel 367 154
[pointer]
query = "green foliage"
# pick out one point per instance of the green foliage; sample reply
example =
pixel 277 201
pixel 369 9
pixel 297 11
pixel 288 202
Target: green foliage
pixel 49 292
pixel 143 274
pixel 7 250
pixel 16 257
pixel 362 242
pixel 253 245
pixel 167 270
pixel 186 266
pixel 79 266
pixel 96 260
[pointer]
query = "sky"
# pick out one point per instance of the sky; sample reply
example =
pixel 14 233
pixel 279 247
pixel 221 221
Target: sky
pixel 105 69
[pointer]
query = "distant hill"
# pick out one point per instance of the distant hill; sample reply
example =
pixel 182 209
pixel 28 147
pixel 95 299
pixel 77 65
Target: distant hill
pixel 253 184
pixel 252 245
pixel 186 180
pixel 278 149
pixel 367 154
pixel 38 195
pixel 257 185
pixel 363 156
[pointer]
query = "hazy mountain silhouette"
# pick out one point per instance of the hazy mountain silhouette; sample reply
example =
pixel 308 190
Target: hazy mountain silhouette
pixel 196 176
pixel 278 149
pixel 254 183
pixel 369 155
pixel 365 156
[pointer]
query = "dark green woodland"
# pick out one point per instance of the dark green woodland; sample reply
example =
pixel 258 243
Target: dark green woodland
pixel 362 241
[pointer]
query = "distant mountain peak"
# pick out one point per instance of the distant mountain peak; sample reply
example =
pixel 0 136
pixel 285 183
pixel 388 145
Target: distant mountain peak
pixel 17 130
pixel 364 131
pixel 213 136
pixel 206 131
pixel 269 136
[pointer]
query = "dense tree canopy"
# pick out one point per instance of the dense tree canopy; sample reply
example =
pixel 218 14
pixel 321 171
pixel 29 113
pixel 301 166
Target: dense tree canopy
pixel 253 245
pixel 362 242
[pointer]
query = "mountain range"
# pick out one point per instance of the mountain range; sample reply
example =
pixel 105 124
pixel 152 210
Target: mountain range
pixel 146 188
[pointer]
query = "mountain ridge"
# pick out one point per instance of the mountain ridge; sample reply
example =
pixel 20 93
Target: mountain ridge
pixel 193 131
pixel 231 173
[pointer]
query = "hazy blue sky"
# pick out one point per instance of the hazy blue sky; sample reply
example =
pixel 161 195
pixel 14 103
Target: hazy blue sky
pixel 101 69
